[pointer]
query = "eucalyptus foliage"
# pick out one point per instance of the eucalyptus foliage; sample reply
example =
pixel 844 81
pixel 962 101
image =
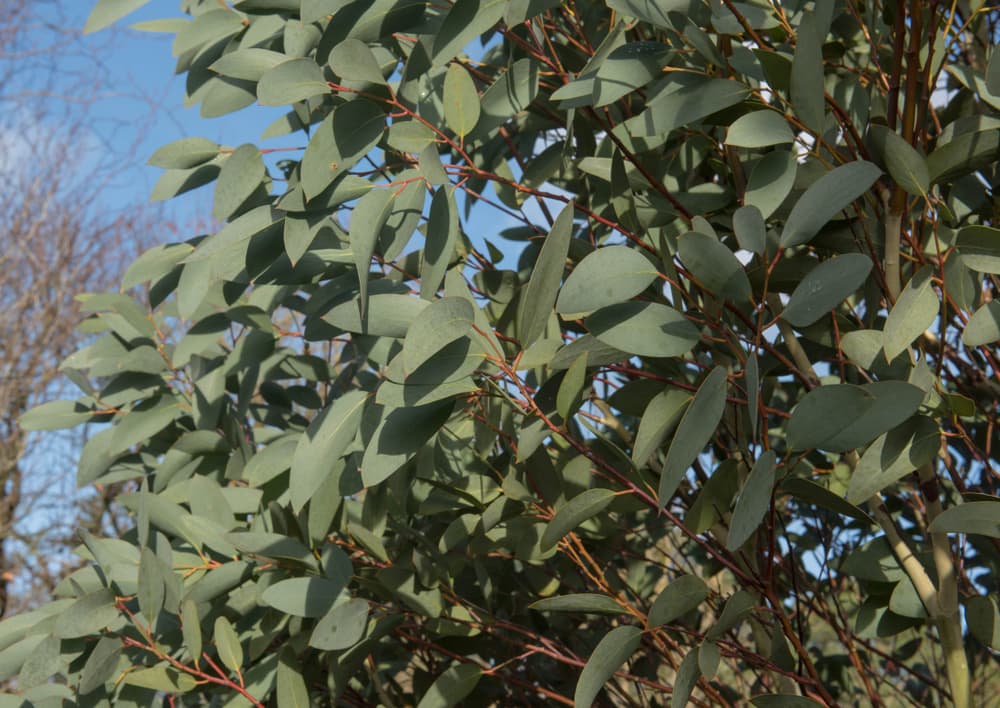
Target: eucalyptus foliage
pixel 612 353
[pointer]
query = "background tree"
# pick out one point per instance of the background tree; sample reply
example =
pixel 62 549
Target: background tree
pixel 56 244
pixel 620 352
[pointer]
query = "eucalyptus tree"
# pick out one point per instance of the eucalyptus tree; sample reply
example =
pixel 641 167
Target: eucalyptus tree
pixel 614 353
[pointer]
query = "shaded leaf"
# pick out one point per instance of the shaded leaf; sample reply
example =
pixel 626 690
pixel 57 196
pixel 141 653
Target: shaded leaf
pixel 579 602
pixel 914 312
pixel 573 513
pixel 824 412
pixel 714 266
pixel 759 129
pixel 398 438
pixel 807 85
pixel 339 142
pixel 453 685
pixel 644 328
pixel 611 652
pixel 660 417
pixel 977 517
pixel 687 677
pixel 682 595
pixel 443 233
pixel 825 287
pixel 979 247
pixel 303 597
pixel 771 181
pixel 241 174
pixel 907 166
pixel 983 327
pixel 825 198
pixel 753 502
pixel 342 627
pixel 539 297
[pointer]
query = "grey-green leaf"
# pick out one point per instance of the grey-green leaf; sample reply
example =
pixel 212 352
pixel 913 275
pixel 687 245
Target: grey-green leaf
pixel 977 517
pixel 609 654
pixel 452 686
pixel 227 643
pixel 759 129
pixel 825 287
pixel 914 312
pixel 606 276
pixel 574 512
pixel 771 181
pixel 825 198
pixel 342 627
pixel 241 174
pixel 660 417
pixel 539 297
pixel 443 232
pixel 824 412
pixel 107 12
pixel 694 431
pixel 753 502
pixel 579 602
pixel 303 597
pixel 907 166
pixel 644 328
pixel 461 100
pixel 369 216
pixel 682 595
pixel 714 266
pixel 807 75
pixel 984 325
pixel 292 81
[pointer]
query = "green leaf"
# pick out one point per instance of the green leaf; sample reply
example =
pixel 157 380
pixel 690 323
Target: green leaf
pixel 539 297
pixel 825 287
pixel 241 174
pixel 687 678
pixel 750 229
pixel 771 181
pixel 227 643
pixel 783 700
pixel 55 415
pixel 983 618
pixel 340 142
pixel 825 198
pixel 914 311
pixel 107 12
pixel 644 328
pixel 907 166
pixel 571 390
pixel 207 28
pixel 737 607
pixel 573 513
pixel 825 412
pixel 369 216
pixel 682 595
pixel 753 502
pixel 589 603
pixel 353 60
pixel 303 597
pixel 652 11
pixel 714 266
pixel 101 664
pixel 431 167
pixel 185 153
pixel 696 98
pixel 807 87
pixel 611 652
pixel 983 327
pixel 708 659
pixel 660 417
pixel 291 687
pixel 607 276
pixel 759 129
pixel 443 234
pixel 979 247
pixel 992 78
pixel 805 490
pixel 399 437
pixel 977 517
pixel 152 584
pixel 461 100
pixel 438 325
pixel 466 20
pixel 694 432
pixel 452 686
pixel 342 627
pixel 88 615
pixel 191 629
pixel 248 64
pixel 325 440
pixel 892 456
pixel 292 81
pixel 162 678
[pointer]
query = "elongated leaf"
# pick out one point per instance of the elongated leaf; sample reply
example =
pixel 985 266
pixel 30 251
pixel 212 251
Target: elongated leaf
pixel 461 100
pixel 101 664
pixel 810 492
pixel 978 517
pixel 914 312
pixel 55 415
pixel 753 502
pixel 825 287
pixel 644 328
pixel 604 277
pixel 907 166
pixel 398 438
pixel 327 438
pixel 353 60
pixel 577 510
pixel 750 229
pixel 436 327
pixel 983 618
pixel 609 654
pixel 979 247
pixel 107 12
pixel 687 678
pixel 660 417
pixel 682 595
pixel 185 153
pixel 892 456
pixel 783 700
pixel 697 99
pixel 303 597
pixel 340 141
pixel 807 75
pixel 825 198
pixel 579 602
pixel 694 431
pixel 369 216
pixel 443 233
pixel 466 20
pixel 191 629
pixel 291 689
pixel 248 64
pixel 539 297
pixel 452 686
pixel 227 643
pixel 242 172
